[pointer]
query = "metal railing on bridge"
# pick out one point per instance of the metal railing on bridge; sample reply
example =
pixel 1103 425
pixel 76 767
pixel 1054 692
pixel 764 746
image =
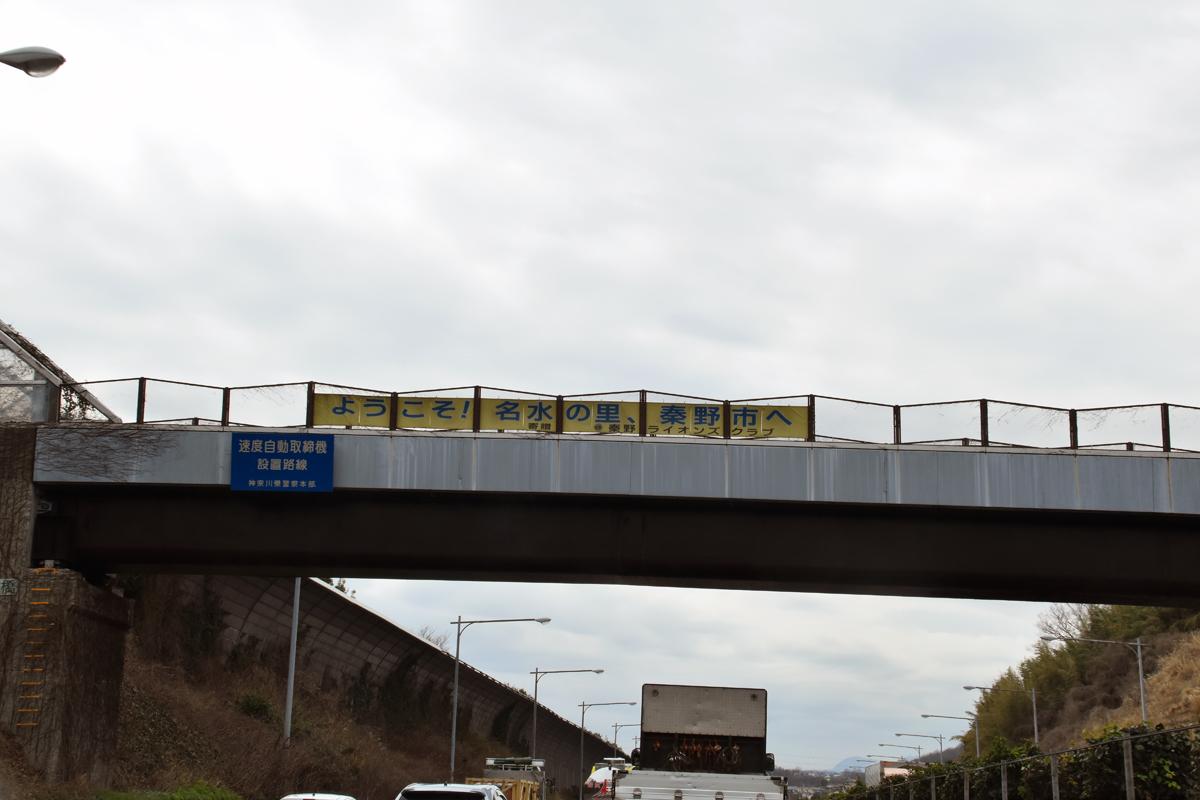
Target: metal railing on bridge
pixel 1169 427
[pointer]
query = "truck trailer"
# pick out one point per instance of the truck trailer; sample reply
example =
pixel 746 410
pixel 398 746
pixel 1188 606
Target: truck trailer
pixel 702 743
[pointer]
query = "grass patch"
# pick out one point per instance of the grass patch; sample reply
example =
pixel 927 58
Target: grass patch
pixel 256 706
pixel 195 791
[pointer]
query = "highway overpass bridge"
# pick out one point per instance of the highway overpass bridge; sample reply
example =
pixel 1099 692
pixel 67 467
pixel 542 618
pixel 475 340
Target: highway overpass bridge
pixel 980 522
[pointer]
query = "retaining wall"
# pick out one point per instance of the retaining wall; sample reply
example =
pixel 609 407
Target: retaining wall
pixel 346 647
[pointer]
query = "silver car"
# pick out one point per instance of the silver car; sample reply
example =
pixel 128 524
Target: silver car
pixel 451 791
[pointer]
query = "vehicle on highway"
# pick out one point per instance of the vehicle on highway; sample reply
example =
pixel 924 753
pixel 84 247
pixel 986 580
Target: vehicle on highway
pixel 451 791
pixel 701 743
pixel 316 796
pixel 602 775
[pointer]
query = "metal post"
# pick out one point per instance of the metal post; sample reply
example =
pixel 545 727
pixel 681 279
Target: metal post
pixel 454 703
pixel 615 729
pixel 1127 749
pixel 310 404
pixel 226 397
pixel 897 433
pixel 1166 427
pixel 642 412
pixel 54 403
pixel 966 776
pixel 477 409
pixel 582 717
pixel 558 414
pixel 726 420
pixel 291 682
pixel 533 744
pixel 1141 677
pixel 1004 782
pixel 1073 426
pixel 984 439
pixel 812 418
pixel 1033 694
pixel 1054 777
pixel 141 401
pixel 393 411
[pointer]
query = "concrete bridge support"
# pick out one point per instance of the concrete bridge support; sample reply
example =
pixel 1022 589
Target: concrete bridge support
pixel 62 640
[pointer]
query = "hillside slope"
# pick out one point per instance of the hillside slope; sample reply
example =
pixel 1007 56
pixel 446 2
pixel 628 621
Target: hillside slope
pixel 1083 687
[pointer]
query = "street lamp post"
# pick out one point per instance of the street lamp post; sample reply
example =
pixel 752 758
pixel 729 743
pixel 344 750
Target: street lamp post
pixel 538 674
pixel 939 739
pixel 1032 692
pixel 974 720
pixel 582 718
pixel 37 62
pixel 906 747
pixel 462 625
pixel 617 728
pixel 1136 646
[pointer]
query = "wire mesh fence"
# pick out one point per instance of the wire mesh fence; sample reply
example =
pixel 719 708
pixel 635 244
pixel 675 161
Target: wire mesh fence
pixel 643 412
pixel 1133 764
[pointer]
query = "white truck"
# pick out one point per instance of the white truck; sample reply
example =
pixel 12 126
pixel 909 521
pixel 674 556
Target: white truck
pixel 702 743
pixel 874 774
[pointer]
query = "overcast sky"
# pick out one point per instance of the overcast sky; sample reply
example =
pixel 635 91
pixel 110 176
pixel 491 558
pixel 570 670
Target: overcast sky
pixel 901 201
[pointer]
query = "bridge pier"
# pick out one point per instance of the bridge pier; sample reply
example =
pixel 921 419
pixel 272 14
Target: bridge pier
pixel 62 640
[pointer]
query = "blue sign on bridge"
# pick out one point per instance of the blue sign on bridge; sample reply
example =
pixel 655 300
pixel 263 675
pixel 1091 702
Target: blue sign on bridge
pixel 281 462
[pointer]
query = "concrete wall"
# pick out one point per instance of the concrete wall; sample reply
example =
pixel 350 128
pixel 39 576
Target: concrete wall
pixel 63 641
pixel 348 648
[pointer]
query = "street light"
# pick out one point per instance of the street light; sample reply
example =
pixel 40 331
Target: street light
pixel 463 624
pixel 939 739
pixel 1031 691
pixel 906 747
pixel 1136 646
pixel 616 729
pixel 974 720
pixel 538 674
pixel 583 716
pixel 37 62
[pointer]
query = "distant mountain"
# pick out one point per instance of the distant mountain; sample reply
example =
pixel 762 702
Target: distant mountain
pixel 849 763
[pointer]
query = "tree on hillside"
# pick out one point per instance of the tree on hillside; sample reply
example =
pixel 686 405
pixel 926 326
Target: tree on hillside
pixel 1065 620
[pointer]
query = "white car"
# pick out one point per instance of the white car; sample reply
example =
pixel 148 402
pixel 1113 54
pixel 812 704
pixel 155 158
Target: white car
pixel 317 796
pixel 451 791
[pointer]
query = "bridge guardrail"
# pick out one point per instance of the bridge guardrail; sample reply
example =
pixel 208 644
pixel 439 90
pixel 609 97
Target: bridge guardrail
pixel 1167 427
pixel 1162 763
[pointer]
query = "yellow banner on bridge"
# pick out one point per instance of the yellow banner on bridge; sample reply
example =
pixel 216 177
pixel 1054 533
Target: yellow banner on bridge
pixel 518 415
pixel 374 411
pixel 745 422
pixel 600 416
pixel 578 416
